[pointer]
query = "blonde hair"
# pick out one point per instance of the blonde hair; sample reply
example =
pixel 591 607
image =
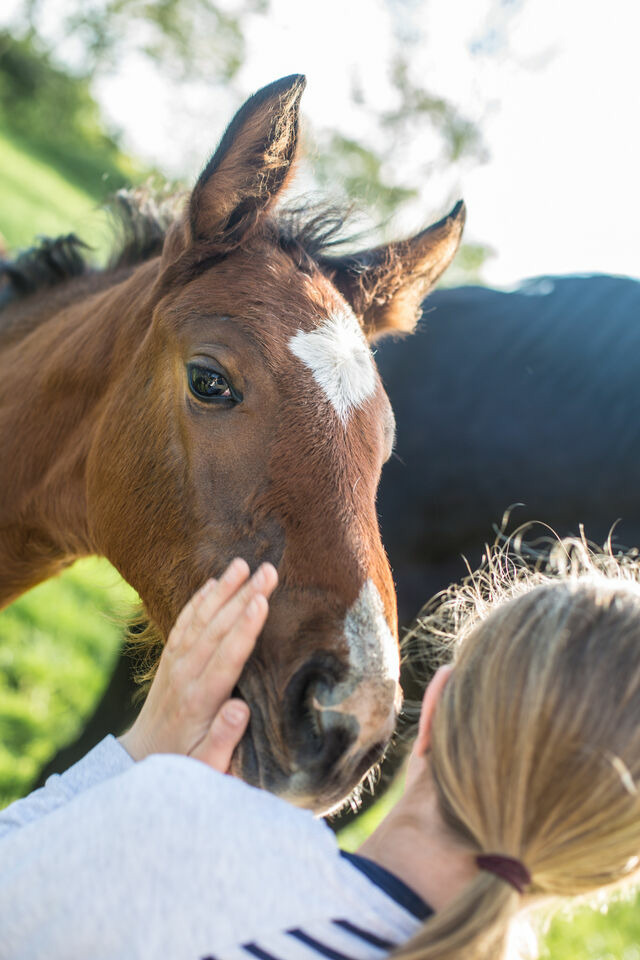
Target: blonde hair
pixel 535 743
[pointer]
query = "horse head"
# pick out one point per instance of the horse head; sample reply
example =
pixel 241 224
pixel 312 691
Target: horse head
pixel 248 418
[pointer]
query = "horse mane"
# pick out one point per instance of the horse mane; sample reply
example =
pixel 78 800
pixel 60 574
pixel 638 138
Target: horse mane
pixel 50 262
pixel 311 232
pixel 140 219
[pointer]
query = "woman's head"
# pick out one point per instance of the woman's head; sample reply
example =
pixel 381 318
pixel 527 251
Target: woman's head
pixel 535 740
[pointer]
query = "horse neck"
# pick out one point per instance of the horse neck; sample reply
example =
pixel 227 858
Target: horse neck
pixel 59 353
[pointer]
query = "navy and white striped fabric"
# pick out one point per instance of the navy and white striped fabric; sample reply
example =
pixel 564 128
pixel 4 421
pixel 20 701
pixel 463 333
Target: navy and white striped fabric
pixel 340 938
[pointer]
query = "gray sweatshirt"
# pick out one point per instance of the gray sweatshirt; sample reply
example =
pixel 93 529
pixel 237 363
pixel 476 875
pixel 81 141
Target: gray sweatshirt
pixel 168 859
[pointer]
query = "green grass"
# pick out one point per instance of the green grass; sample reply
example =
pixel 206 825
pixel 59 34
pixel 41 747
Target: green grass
pixel 58 642
pixel 610 932
pixel 36 200
pixel 352 836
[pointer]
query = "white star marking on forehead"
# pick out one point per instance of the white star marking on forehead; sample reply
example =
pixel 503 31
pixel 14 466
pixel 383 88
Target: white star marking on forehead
pixel 337 354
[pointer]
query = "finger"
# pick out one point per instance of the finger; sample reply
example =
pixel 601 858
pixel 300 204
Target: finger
pixel 264 582
pixel 197 651
pixel 231 580
pixel 224 668
pixel 187 614
pixel 223 736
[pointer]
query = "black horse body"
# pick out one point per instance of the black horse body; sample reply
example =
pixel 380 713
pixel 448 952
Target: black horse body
pixel 528 397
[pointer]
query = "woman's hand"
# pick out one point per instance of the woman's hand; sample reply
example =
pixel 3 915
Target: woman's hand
pixel 188 709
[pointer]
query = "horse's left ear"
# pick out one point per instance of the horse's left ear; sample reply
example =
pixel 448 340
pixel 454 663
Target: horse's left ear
pixel 386 285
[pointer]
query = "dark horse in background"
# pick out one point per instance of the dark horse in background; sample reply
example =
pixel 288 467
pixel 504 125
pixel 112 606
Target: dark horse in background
pixel 530 397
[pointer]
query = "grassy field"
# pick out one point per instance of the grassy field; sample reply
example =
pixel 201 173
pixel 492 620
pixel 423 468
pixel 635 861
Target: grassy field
pixel 36 200
pixel 58 642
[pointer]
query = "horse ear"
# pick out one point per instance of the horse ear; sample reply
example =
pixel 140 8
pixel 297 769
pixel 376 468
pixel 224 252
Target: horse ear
pixel 386 285
pixel 251 165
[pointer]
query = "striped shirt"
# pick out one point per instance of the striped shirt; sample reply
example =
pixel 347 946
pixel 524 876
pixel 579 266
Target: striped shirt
pixel 167 858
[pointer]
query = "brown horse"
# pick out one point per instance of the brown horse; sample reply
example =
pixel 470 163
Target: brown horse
pixel 219 398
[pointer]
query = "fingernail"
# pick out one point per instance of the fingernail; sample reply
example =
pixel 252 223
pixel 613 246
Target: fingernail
pixel 233 570
pixel 208 585
pixel 234 713
pixel 260 576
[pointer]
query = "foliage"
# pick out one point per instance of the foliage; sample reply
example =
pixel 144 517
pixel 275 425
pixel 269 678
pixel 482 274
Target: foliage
pixel 360 173
pixel 459 136
pixel 54 112
pixel 467 266
pixel 186 38
pixel 203 40
pixel 366 171
pixel 608 932
pixel 36 199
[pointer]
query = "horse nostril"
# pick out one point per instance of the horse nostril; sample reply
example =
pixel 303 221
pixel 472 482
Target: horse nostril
pixel 313 679
pixel 318 732
pixel 334 744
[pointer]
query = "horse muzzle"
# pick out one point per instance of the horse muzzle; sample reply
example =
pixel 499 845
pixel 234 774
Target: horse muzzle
pixel 316 742
pixel 322 749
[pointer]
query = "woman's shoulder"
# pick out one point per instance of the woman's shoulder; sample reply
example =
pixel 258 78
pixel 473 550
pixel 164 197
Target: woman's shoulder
pixel 200 797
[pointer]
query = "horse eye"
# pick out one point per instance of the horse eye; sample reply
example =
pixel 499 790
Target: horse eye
pixel 208 384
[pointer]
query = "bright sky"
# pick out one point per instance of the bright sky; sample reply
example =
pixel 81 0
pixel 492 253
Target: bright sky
pixel 553 84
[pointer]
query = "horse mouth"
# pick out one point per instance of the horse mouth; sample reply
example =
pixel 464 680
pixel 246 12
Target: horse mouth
pixel 244 763
pixel 323 790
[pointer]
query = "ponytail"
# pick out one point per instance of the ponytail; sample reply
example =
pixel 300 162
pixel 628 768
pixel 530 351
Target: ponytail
pixel 535 741
pixel 472 927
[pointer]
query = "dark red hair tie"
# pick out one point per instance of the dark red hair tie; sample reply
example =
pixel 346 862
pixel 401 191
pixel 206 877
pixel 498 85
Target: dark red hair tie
pixel 507 868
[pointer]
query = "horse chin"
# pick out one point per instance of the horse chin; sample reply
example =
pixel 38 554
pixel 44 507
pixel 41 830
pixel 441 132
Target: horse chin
pixel 339 787
pixel 291 760
pixel 253 764
pixel 244 763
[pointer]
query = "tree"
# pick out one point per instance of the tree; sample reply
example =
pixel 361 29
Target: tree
pixel 205 40
pixel 189 38
pixel 55 113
